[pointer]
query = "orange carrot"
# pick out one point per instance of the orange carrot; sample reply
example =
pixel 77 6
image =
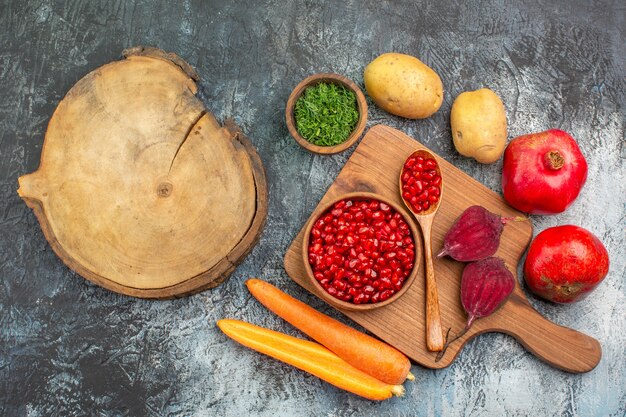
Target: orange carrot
pixel 310 357
pixel 370 355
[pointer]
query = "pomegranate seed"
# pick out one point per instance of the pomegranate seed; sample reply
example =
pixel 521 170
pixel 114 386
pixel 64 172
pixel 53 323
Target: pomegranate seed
pixel 340 285
pixel 359 299
pixel 386 282
pixel 433 190
pixel 430 164
pixel 384 295
pixel 340 273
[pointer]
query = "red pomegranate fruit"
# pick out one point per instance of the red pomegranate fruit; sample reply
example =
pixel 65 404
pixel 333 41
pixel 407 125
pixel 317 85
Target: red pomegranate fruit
pixel 565 263
pixel 543 173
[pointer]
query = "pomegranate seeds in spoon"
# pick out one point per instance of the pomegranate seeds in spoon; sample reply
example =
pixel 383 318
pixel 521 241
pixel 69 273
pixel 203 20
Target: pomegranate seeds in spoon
pixel 421 184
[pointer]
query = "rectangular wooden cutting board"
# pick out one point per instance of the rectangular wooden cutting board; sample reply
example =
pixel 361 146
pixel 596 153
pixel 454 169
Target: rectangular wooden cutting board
pixel 375 167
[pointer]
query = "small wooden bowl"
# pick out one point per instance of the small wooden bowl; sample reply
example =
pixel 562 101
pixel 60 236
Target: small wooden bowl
pixel 334 79
pixel 320 291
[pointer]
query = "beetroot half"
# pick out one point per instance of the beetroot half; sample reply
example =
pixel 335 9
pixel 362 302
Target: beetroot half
pixel 475 235
pixel 485 286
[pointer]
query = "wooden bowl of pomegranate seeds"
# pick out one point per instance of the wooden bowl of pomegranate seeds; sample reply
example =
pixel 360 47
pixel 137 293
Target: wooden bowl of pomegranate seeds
pixel 360 251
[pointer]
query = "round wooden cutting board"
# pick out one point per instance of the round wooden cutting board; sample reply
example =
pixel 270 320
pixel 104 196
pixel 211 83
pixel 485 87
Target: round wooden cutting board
pixel 139 188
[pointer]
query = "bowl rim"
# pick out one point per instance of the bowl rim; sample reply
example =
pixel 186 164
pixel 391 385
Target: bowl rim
pixel 328 78
pixel 320 291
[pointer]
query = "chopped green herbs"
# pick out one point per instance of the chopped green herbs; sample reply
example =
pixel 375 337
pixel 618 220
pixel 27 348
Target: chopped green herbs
pixel 326 114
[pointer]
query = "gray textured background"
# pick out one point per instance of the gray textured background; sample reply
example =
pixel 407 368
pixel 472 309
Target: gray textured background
pixel 70 348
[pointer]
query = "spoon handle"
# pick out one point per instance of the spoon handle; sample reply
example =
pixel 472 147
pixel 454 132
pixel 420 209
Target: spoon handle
pixel 434 331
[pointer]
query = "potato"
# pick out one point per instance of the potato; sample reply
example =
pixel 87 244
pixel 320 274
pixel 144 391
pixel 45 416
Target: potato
pixel 478 122
pixel 403 85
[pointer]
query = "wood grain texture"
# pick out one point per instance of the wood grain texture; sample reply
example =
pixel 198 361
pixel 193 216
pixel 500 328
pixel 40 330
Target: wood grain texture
pixel 374 167
pixel 434 330
pixel 140 189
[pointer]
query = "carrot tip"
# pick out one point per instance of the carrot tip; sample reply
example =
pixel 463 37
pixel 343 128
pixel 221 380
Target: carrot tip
pixel 398 390
pixel 410 377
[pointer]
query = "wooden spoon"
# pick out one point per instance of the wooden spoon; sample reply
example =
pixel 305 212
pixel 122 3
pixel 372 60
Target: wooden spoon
pixel 434 331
